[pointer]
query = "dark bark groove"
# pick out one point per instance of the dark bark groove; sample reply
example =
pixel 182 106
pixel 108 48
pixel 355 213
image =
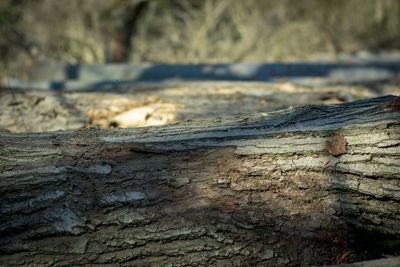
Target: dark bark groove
pixel 261 190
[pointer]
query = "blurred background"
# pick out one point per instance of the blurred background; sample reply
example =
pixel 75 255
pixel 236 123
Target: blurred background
pixel 86 44
pixel 193 31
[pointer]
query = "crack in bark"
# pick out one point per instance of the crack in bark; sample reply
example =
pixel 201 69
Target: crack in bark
pixel 202 194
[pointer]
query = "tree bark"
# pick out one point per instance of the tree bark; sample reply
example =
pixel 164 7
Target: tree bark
pixel 307 185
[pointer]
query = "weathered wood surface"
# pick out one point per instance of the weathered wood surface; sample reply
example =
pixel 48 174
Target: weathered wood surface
pixel 307 185
pixel 146 104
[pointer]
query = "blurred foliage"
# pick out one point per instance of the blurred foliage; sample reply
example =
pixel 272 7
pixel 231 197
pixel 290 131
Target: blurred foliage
pixel 195 31
pixel 9 12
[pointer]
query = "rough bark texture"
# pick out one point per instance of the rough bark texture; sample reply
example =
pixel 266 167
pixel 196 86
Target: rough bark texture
pixel 261 190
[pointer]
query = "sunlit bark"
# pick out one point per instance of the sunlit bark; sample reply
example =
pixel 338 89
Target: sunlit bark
pixel 307 185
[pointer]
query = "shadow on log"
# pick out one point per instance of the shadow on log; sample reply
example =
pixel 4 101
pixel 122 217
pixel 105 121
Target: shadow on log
pixel 309 185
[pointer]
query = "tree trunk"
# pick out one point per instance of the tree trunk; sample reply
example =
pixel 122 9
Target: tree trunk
pixel 124 17
pixel 302 186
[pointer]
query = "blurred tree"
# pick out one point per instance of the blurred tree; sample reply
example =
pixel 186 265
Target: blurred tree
pixel 12 40
pixel 193 31
pixel 124 15
pixel 9 15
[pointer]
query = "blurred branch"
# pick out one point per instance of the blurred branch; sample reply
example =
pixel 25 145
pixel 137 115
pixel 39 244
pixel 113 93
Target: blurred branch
pixel 28 45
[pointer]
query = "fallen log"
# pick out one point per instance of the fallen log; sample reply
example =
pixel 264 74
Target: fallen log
pixel 302 186
pixel 149 104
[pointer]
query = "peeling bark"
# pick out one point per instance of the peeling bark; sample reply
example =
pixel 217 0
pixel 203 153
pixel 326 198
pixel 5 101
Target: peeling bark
pixel 256 190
